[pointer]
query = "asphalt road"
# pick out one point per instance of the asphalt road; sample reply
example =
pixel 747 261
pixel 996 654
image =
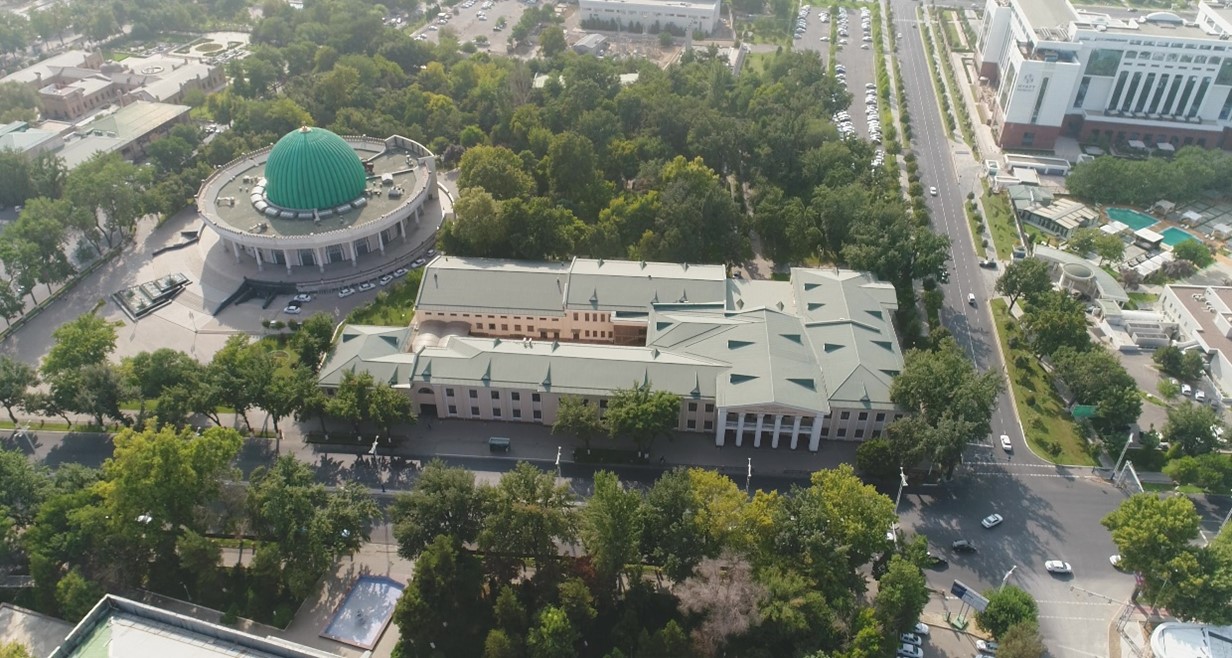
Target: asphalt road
pixel 1051 513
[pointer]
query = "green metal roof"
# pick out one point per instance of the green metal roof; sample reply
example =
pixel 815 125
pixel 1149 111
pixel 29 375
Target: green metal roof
pixel 313 169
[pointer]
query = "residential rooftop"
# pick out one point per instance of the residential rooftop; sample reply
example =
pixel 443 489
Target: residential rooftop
pixel 114 131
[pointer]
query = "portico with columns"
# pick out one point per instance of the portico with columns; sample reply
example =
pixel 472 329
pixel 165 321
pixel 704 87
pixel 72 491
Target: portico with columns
pixel 796 428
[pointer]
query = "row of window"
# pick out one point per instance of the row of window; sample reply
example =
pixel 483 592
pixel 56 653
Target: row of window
pixel 514 396
pixel 733 417
pixel 1176 44
pixel 1172 57
pixel 496 412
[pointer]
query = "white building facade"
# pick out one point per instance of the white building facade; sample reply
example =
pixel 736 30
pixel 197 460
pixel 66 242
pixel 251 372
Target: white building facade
pixel 699 16
pixel 1059 71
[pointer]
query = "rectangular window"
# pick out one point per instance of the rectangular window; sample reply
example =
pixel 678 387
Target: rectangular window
pixel 474 394
pixel 603 404
pixel 517 327
pixel 491 325
pixel 530 327
pixel 496 412
pixel 537 415
pixel 709 425
pixel 691 424
pixel 474 411
pixel 534 397
pixel 842 432
pixel 495 395
pixel 846 415
pixel 515 396
pixel 504 327
pixel 709 408
pixel 453 410
pixel 449 392
pixel 517 413
pixel 692 406
pixel 860 433
pixel 880 417
pixel 863 416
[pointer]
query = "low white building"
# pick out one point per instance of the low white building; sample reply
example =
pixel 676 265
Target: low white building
pixel 1177 640
pixel 1204 316
pixel 700 16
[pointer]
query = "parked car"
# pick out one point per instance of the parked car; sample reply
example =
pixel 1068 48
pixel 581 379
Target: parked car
pixel 1200 395
pixel 385 279
pixel 987 646
pixel 346 292
pixel 988 264
pixel 292 308
pixel 401 271
pixel 909 651
pixel 1058 567
pixel 992 521
pixel 1186 389
pixel 1115 561
pixel 366 286
pixel 971 298
pixel 303 298
pixel 911 638
pixel 922 629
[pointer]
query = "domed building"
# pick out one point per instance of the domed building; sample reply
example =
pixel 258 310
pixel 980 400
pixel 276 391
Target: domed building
pixel 314 199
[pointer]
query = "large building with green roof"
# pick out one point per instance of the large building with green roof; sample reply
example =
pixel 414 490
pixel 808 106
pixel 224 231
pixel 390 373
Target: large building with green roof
pixel 315 198
pixel 778 364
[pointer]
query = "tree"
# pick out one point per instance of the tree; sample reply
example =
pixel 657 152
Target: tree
pixel 1193 427
pixel 387 407
pixel 1008 606
pixel 442 604
pixel 571 170
pixel 76 595
pixel 240 373
pixel 1096 377
pixel 878 459
pixel 312 341
pixel 552 41
pixel 286 388
pixel 671 537
pixel 1185 365
pixel 1150 532
pixel 84 341
pixel 97 389
pixel 611 529
pixel 497 170
pixel 576 417
pixel 1027 277
pixel 1022 641
pixel 14 650
pixel 794 617
pixel 953 402
pixel 26 486
pixel 445 502
pixel 529 514
pixel 554 637
pixel 113 191
pixel 1211 471
pixel 840 508
pixel 726 597
pixel 18 102
pixel 1194 252
pixel 16 380
pixel 642 414
pixel 152 373
pixel 1054 319
pixel 901 596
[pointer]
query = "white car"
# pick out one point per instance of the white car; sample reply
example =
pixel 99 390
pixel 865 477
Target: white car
pixel 1115 561
pixel 419 262
pixel 922 629
pixel 986 646
pixel 346 292
pixel 302 298
pixel 366 286
pixel 401 271
pixel 1186 389
pixel 992 521
pixel 1200 395
pixel 1006 444
pixel 1059 567
pixel 932 189
pixel 292 309
pixel 911 638
pixel 909 651
pixel 385 279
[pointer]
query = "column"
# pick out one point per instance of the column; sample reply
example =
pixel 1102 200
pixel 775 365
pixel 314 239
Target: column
pixel 740 431
pixel 319 254
pixel 795 432
pixel 1198 97
pixel 720 427
pixel 815 436
pixel 778 424
pixel 1133 104
pixel 235 249
pixel 1172 95
pixel 761 419
pixel 354 255
pixel 380 240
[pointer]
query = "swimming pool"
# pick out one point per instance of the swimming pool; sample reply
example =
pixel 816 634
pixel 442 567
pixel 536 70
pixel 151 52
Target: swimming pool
pixel 1174 236
pixel 1131 218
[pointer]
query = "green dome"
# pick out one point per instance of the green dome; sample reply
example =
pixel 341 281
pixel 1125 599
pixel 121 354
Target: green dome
pixel 313 169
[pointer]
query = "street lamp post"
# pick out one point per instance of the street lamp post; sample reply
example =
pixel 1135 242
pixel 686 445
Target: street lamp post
pixel 557 461
pixel 748 477
pixel 902 483
pixel 1007 575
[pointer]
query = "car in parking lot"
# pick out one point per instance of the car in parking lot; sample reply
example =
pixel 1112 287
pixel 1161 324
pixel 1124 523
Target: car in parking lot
pixel 302 298
pixel 366 286
pixel 909 651
pixel 418 262
pixel 401 271
pixel 992 520
pixel 911 638
pixel 385 279
pixel 1200 395
pixel 962 546
pixel 292 308
pixel 1058 567
pixel 987 646
pixel 922 629
pixel 346 292
pixel 1186 389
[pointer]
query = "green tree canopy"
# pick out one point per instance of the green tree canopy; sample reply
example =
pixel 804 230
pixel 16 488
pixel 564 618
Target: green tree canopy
pixel 1193 428
pixel 1026 277
pixel 642 414
pixel 445 502
pixel 1150 532
pixel 1008 606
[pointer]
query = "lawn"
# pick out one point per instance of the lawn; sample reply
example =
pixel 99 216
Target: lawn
pixel 759 62
pixel 393 306
pixel 1044 417
pixel 1000 221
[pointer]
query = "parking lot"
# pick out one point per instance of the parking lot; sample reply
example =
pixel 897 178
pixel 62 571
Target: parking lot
pixel 477 18
pixel 854 63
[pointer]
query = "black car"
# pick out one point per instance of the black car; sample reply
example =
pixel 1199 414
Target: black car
pixel 988 264
pixel 963 546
